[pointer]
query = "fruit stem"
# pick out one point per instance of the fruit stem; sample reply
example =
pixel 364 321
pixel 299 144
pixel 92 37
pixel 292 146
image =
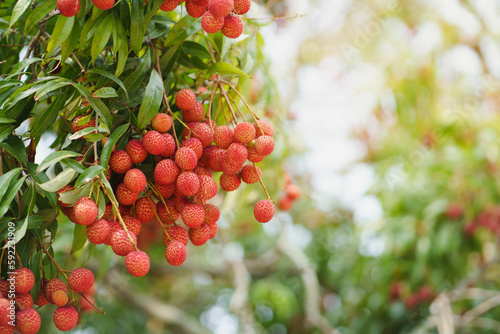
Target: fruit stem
pixel 158 218
pixel 261 182
pixel 210 108
pixel 44 249
pixel 223 91
pixel 236 105
pixel 245 102
pixel 99 310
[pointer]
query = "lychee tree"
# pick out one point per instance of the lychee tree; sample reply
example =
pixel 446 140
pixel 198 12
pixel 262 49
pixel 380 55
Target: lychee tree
pixel 146 109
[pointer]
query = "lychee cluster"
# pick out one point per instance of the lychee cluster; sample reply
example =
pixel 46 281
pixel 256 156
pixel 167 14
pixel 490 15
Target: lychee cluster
pixel 17 309
pixel 216 15
pixel 70 8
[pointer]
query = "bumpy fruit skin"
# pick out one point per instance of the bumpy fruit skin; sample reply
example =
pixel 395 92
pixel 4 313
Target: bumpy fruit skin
pixel 166 172
pixel 28 321
pixel 220 8
pixel 263 211
pixel 264 145
pixel 212 214
pixel 161 122
pixel 202 170
pixel 241 7
pixel 41 300
pixel 168 215
pixel 136 151
pixel 253 156
pixel 154 142
pixel 65 318
pixel 169 5
pixel 52 286
pixel 137 263
pixel 194 114
pixel 25 280
pixel 199 235
pixel 60 298
pixel 80 280
pixel 4 312
pixel 263 127
pixel 237 153
pixel 250 174
pixel 244 133
pixel 175 233
pixel 215 158
pixel 233 27
pixel 145 209
pixel 103 4
pixel 188 183
pixel 120 242
pixel 7 329
pixel 64 189
pixel 120 162
pixel 68 8
pixel 203 132
pixel 230 182
pixel 85 211
pixel 166 190
pixel 133 224
pixel 125 196
pixel 113 227
pixel 195 10
pixel 213 230
pixel 135 180
pixel 211 24
pixel 185 99
pixel 186 158
pixel 193 215
pixel 74 125
pixel 195 145
pixel 228 166
pixel 24 300
pixel 208 187
pixel 223 136
pixel 175 253
pixel 169 146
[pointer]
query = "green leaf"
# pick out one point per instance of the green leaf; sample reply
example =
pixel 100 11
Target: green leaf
pixel 70 197
pixel 5 180
pixel 28 201
pixel 152 100
pixel 79 238
pixel 101 109
pixel 9 196
pixel 102 36
pixel 47 118
pixel 55 157
pixel 82 133
pixel 72 41
pixel 186 27
pixel 137 27
pixel 169 58
pixel 21 232
pixel 15 147
pixel 61 31
pixel 71 163
pixel 196 49
pixel 89 174
pixel 123 51
pixel 110 143
pixel 51 86
pixel 110 76
pixel 37 14
pixel 105 92
pixel 5 131
pixel 6 120
pixel 18 10
pixel 226 69
pixel 59 181
pixel 89 28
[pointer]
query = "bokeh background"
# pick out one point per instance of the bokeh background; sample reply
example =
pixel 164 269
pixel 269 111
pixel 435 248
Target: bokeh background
pixel 387 121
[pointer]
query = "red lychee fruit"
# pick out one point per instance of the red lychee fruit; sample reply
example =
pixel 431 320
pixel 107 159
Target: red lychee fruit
pixel 185 99
pixel 264 145
pixel 168 215
pixel 237 153
pixel 23 300
pixel 233 26
pixel 137 263
pixel 98 231
pixel 135 180
pixel 41 300
pixel 113 227
pixel 121 244
pixel 186 158
pixel 7 329
pixel 65 318
pixel 60 298
pixel 80 280
pixel 215 158
pixel 74 125
pixel 193 215
pixel 85 211
pixel 292 191
pixel 24 280
pixel 133 224
pixel 250 174
pixel 136 151
pixel 166 190
pixel 228 166
pixel 220 8
pixel 195 145
pixel 212 214
pixel 263 127
pixel 263 211
pixel 230 182
pixel 154 142
pixel 175 233
pixel 199 235
pixel 203 132
pixel 120 162
pixel 125 196
pixel 194 10
pixel 175 253
pixel 108 212
pixel 145 209
pixel 253 156
pixel 202 170
pixel 241 7
pixel 208 187
pixel 52 286
pixel 68 8
pixel 188 183
pixel 285 203
pixel 64 189
pixel 161 122
pixel 223 136
pixel 103 4
pixel 4 287
pixel 211 24
pixel 196 113
pixel 200 2
pixel 169 146
pixel 4 310
pixel 169 5
pixel 180 202
pixel 28 321
pixel 166 172
pixel 213 230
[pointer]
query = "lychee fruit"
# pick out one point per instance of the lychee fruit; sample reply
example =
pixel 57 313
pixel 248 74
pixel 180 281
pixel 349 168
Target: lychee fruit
pixel 196 113
pixel 193 215
pixel 103 4
pixel 166 190
pixel 223 136
pixel 52 286
pixel 220 8
pixel 180 202
pixel 263 127
pixel 41 300
pixel 137 263
pixel 108 212
pixel 169 146
pixel 28 321
pixel 195 145
pixel 133 224
pixel 166 172
pixel 136 151
pixel 208 187
pixel 65 318
pixel 228 166
pixel 145 209
pixel 121 244
pixel 113 227
pixel 175 253
pixel 135 180
pixel 237 153
pixel 91 123
pixel 175 233
pixel 202 170
pixel 233 26
pixel 264 145
pixel 24 280
pixel 188 183
pixel 4 310
pixel 241 7
pixel 24 300
pixel 253 156
pixel 230 182
pixel 168 215
pixel 98 231
pixel 263 211
pixel 215 158
pixel 169 5
pixel 81 280
pixel 60 298
pixel 285 203
pixel 68 8
pixel 292 191
pixel 211 24
pixel 203 132
pixel 250 174
pixel 186 158
pixel 194 10
pixel 85 211
pixel 120 162
pixel 161 122
pixel 154 142
pixel 213 230
pixel 125 196
pixel 199 235
pixel 212 214
pixel 185 99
